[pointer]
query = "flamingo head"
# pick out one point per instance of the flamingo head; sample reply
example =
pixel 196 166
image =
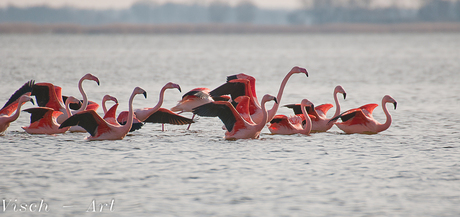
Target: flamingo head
pixel 89 76
pixel 307 103
pixel 171 85
pixel 297 69
pixel 389 99
pixel 339 89
pixel 108 97
pixel 268 97
pixel 139 90
pixel 25 98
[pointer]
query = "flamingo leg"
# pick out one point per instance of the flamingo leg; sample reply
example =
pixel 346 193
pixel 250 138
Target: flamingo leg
pixel 190 124
pixel 162 127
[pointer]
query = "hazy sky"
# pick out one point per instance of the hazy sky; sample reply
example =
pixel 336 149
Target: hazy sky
pixel 103 4
pixel 127 3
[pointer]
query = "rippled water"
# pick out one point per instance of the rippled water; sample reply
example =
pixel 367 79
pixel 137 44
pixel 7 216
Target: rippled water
pixel 412 169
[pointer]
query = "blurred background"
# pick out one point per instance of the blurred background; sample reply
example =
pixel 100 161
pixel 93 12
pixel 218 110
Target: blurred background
pixel 120 15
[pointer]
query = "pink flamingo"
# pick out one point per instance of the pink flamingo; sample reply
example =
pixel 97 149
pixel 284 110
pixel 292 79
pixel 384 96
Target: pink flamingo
pixel 100 129
pixel 320 123
pixel 237 127
pixel 281 124
pixel 360 120
pixel 110 115
pixel 194 98
pixel 162 115
pixel 43 119
pixel 14 104
pixel 256 113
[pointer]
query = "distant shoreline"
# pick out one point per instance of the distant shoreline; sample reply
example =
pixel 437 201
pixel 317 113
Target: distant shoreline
pixel 27 28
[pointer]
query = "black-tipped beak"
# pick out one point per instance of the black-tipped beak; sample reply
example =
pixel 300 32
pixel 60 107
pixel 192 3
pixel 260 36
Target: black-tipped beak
pixel 179 89
pixel 32 101
pixel 145 94
pixel 344 95
pixel 395 103
pixel 231 77
pixel 306 73
pixel 97 81
pixel 276 101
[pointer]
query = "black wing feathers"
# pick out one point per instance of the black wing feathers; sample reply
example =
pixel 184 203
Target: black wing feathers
pixel 235 89
pixel 223 111
pixel 168 118
pixel 27 87
pixel 82 119
pixel 37 113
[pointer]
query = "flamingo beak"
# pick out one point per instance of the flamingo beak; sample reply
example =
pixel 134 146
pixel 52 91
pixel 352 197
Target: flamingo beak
pixel 276 101
pixel 395 103
pixel 178 87
pixel 96 80
pixel 145 94
pixel 304 71
pixel 344 95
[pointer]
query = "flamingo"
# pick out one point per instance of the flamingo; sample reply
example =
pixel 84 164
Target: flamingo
pixel 162 115
pixel 281 124
pixel 100 129
pixel 237 127
pixel 43 119
pixel 14 104
pixel 256 113
pixel 110 115
pixel 320 123
pixel 194 98
pixel 360 120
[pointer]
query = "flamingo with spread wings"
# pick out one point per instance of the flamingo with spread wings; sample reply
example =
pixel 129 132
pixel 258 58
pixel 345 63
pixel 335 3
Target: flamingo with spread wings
pixel 360 120
pixel 43 119
pixel 14 104
pixel 255 107
pixel 320 123
pixel 301 123
pixel 100 129
pixel 237 126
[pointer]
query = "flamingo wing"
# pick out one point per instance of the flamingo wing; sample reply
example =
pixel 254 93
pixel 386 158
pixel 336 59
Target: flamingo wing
pixel 166 116
pixel 38 113
pixel 12 104
pixel 202 93
pixel 369 108
pixel 235 89
pixel 45 94
pixel 324 108
pixel 88 119
pixel 298 111
pixel 224 110
pixel 111 113
pixel 279 119
pixel 92 106
pixel 73 106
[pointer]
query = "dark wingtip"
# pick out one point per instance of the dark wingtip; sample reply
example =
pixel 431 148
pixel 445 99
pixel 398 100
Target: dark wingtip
pixel 231 77
pixel 344 95
pixel 395 103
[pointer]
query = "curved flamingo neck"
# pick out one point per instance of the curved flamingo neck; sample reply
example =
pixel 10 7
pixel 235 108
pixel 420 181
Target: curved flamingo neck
pixel 337 104
pixel 160 102
pixel 308 124
pixel 264 115
pixel 67 108
pixel 129 123
pixel 83 94
pixel 103 106
pixel 18 110
pixel 386 125
pixel 272 112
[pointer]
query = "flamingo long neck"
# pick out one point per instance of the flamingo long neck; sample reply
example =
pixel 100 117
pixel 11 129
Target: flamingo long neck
pixel 67 108
pixel 160 102
pixel 18 111
pixel 386 125
pixel 261 124
pixel 105 108
pixel 83 94
pixel 272 112
pixel 308 124
pixel 129 123
pixel 337 105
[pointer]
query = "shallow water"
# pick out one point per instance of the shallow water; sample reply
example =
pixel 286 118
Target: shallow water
pixel 411 169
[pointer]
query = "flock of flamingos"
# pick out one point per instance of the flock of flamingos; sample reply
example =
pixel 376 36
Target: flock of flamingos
pixel 234 102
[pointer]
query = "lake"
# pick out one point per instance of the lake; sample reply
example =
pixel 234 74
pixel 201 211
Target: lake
pixel 411 169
